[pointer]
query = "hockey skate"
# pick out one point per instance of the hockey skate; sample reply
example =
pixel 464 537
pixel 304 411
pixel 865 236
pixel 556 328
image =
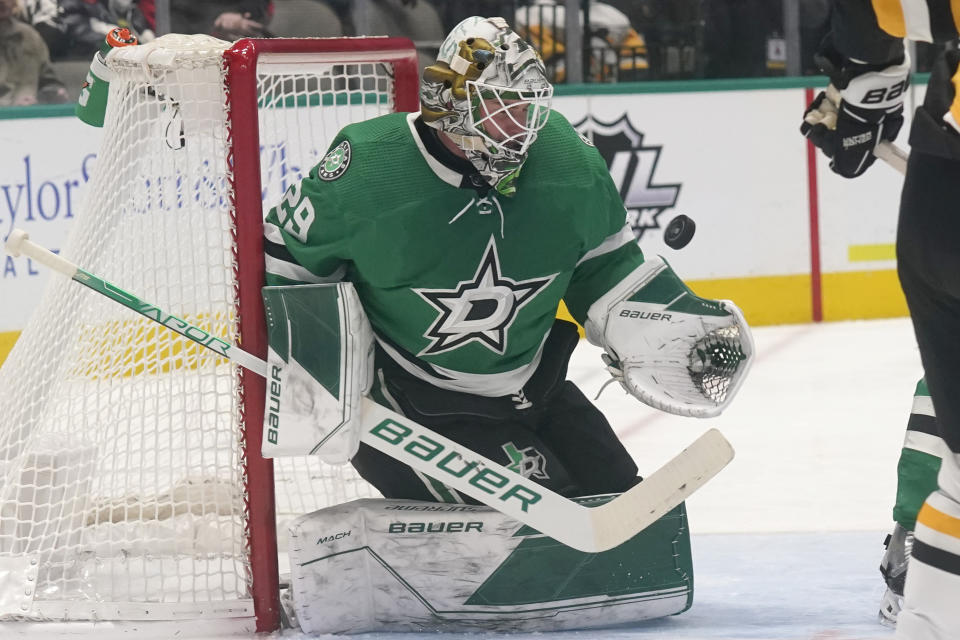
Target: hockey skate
pixel 893 567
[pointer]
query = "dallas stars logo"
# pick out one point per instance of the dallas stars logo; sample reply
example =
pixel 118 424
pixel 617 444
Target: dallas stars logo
pixel 479 310
pixel 631 166
pixel 335 162
pixel 528 462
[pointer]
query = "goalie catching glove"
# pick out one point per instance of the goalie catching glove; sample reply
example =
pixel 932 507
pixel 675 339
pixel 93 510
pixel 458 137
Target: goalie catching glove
pixel 862 106
pixel 669 348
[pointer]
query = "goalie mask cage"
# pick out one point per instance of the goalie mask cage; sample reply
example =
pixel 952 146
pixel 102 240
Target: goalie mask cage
pixel 131 481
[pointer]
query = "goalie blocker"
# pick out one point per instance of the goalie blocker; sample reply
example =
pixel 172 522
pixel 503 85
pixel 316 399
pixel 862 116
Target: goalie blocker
pixel 405 565
pixel 319 368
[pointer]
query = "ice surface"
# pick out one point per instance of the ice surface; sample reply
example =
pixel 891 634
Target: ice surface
pixel 788 538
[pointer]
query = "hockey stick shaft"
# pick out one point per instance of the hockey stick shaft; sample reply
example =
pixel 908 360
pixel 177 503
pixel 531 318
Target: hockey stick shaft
pixel 19 243
pixel 892 155
pixel 587 529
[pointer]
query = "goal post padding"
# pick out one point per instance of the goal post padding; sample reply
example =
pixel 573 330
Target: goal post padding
pixel 131 483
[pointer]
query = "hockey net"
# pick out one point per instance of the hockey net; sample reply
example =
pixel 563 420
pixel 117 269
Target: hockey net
pixel 131 484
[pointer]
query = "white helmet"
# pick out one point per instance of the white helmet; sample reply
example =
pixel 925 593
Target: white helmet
pixel 488 91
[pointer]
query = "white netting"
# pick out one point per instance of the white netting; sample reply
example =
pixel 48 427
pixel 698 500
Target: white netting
pixel 315 104
pixel 122 470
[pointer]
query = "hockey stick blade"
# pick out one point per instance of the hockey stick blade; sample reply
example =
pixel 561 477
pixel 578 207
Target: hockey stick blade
pixel 586 529
pixel 622 518
pixel 892 155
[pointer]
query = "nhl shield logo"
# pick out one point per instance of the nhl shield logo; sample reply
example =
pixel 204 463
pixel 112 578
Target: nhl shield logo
pixel 631 166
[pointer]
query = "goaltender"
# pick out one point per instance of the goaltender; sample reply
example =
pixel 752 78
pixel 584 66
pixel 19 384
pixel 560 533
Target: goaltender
pixel 461 228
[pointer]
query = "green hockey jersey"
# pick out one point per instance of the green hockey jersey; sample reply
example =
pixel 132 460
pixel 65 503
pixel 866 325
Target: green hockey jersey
pixel 461 284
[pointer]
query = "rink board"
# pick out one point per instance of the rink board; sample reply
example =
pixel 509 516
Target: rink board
pixel 776 231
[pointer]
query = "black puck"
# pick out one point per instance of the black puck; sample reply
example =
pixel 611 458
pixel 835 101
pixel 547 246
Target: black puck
pixel 679 232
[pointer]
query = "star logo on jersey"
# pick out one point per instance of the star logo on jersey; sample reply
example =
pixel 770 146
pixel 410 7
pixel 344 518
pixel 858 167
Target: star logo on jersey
pixel 528 462
pixel 480 309
pixel 631 166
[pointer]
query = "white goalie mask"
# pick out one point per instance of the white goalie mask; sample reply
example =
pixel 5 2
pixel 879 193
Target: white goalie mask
pixel 489 93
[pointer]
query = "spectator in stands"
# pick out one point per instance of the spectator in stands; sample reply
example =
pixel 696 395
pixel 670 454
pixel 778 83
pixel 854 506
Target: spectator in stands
pixel 86 24
pixel 414 19
pixel 26 76
pixel 127 13
pixel 614 45
pixel 814 25
pixel 305 18
pixel 221 18
pixel 74 29
pixel 452 12
pixel 44 16
pixel 737 37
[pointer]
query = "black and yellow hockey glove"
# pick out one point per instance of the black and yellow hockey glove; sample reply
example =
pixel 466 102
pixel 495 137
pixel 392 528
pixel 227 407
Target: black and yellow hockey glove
pixel 862 106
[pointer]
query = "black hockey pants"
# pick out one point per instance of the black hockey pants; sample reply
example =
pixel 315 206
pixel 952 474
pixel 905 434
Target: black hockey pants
pixel 928 247
pixel 561 440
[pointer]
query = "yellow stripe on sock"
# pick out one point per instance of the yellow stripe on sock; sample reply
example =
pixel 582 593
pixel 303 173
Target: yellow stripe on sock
pixel 939 521
pixel 955 106
pixel 890 17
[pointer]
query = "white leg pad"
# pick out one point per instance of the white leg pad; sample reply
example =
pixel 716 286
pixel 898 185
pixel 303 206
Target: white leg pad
pixel 403 565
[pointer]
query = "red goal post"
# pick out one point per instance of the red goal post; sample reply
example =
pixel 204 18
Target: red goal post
pixel 241 61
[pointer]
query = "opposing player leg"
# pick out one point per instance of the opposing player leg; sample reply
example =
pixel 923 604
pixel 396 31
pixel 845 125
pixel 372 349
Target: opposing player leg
pixel 928 248
pixel 920 458
pixel 933 575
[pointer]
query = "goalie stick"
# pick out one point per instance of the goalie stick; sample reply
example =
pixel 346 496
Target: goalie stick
pixel 590 530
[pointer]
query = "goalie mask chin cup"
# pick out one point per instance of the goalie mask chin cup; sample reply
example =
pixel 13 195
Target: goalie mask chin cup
pixel 488 92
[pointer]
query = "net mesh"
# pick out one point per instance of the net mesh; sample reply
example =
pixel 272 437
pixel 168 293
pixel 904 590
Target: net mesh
pixel 315 105
pixel 122 463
